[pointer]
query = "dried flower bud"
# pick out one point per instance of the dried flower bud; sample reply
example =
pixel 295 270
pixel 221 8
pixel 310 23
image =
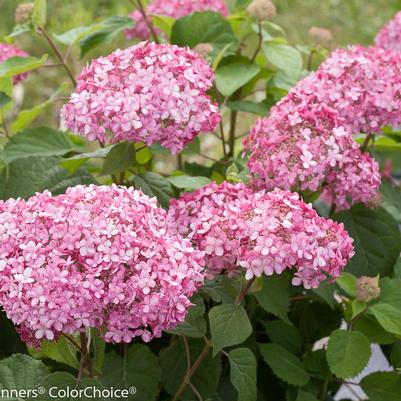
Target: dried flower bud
pixel 319 35
pixel 203 49
pixel 375 201
pixel 367 288
pixel 262 9
pixel 23 13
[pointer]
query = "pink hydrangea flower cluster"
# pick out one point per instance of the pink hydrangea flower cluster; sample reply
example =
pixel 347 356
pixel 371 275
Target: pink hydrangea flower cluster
pixel 145 93
pixel 171 8
pixel 389 37
pixel 7 51
pixel 306 142
pixel 96 256
pixel 261 232
pixel 362 84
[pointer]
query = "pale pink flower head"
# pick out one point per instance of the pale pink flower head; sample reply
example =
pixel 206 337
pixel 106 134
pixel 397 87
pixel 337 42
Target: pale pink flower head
pixel 8 51
pixel 261 233
pixel 171 8
pixel 96 256
pixel 146 93
pixel 389 37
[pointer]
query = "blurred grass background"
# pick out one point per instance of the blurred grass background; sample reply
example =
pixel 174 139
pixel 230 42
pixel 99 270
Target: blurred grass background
pixel 351 21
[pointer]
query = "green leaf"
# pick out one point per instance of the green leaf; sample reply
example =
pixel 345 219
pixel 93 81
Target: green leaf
pixel 153 184
pixel 229 325
pixel 203 27
pixel 4 99
pixel 283 334
pixel 41 141
pixel 390 291
pixel 304 396
pixel 316 362
pixel 231 77
pixel 382 386
pixel 284 365
pixel 60 351
pixel 120 158
pixel 348 353
pixel 140 368
pixel 193 147
pixel 39 13
pixel 388 316
pixel 243 373
pixel 188 182
pixel 376 237
pixel 347 282
pixel 74 35
pixel 275 296
pixel 173 362
pixel 98 350
pixel 326 291
pixel 369 326
pixel 26 176
pixel 62 381
pixel 26 117
pixel 21 372
pixel 100 153
pixel 195 324
pixel 391 199
pixel 357 308
pixel 248 106
pixel 395 356
pixel 105 33
pixel 17 65
pixel 284 57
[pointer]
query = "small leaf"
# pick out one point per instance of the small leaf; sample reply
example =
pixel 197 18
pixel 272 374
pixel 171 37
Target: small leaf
pixel 285 365
pixel 348 352
pixel 120 158
pixel 106 32
pixel 376 237
pixel 304 396
pixel 391 199
pixel 26 117
pixel 21 372
pixel 39 13
pixel 357 308
pixel 231 77
pixel 283 334
pixel 203 27
pixel 243 373
pixel 140 369
pixel 284 57
pixel 154 185
pixel 42 141
pixel 382 386
pixel 18 65
pixel 388 316
pixel 275 296
pixel 60 351
pixel 4 99
pixel 347 282
pixel 248 106
pixel 369 326
pixel 229 325
pixel 188 182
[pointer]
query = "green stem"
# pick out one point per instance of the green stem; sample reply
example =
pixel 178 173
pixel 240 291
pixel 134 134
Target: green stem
pixel 59 55
pixel 191 372
pixel 244 291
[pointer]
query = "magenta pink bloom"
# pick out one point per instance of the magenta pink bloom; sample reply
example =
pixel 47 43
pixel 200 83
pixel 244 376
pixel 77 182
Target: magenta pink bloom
pixel 261 233
pixel 306 143
pixel 96 256
pixel 146 93
pixel 7 51
pixel 389 37
pixel 171 8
